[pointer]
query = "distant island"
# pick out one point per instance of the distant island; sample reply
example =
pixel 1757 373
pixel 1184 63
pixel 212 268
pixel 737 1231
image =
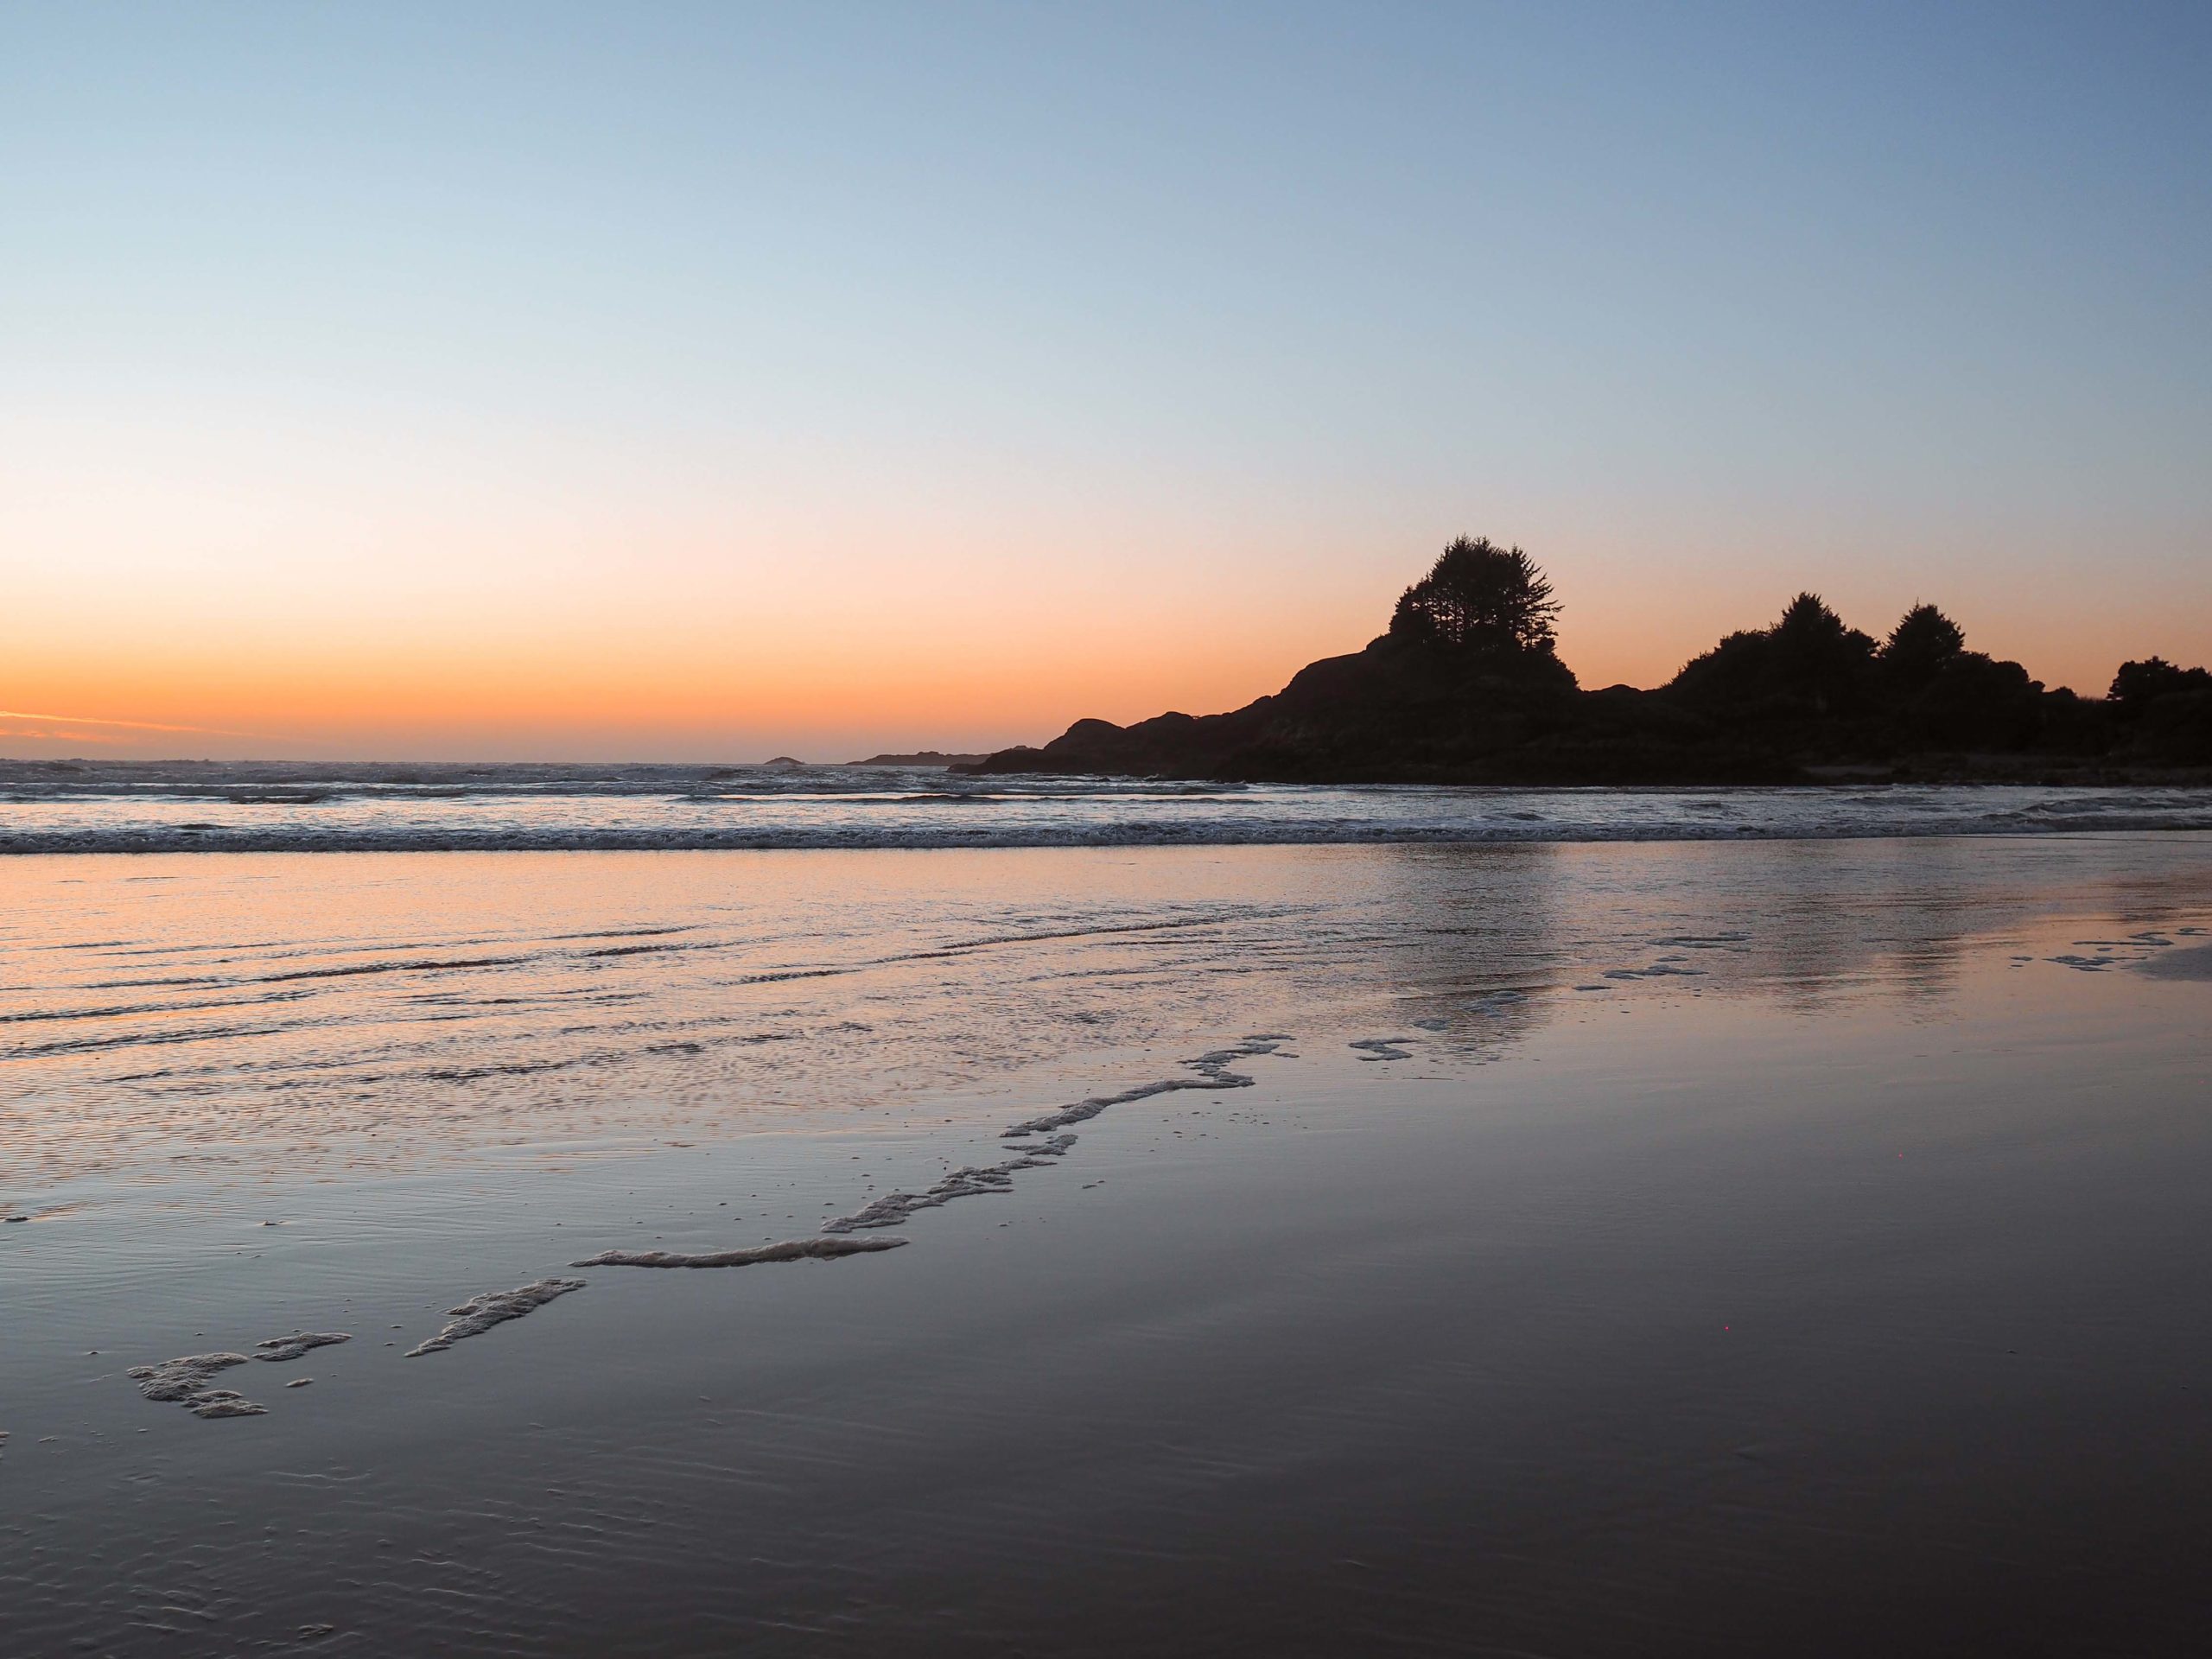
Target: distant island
pixel 922 758
pixel 1467 687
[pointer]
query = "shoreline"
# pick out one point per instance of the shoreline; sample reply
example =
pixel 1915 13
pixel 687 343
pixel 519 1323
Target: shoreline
pixel 386 848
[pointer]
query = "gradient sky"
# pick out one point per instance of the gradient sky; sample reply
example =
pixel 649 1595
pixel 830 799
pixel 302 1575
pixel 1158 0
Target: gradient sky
pixel 669 381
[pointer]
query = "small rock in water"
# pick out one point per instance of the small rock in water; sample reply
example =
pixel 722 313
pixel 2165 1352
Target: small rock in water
pixel 299 1382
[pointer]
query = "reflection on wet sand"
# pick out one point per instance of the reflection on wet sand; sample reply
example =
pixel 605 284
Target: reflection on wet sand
pixel 1491 1219
pixel 249 1015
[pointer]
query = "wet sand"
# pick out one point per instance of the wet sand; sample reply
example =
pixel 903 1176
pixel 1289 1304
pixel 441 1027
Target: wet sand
pixel 1824 1277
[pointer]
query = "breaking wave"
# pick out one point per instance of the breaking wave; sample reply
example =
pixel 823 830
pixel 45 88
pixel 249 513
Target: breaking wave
pixel 48 807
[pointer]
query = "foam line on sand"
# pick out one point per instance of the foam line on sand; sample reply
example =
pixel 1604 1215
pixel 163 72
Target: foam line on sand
pixel 183 1381
pixel 480 1314
pixel 792 1249
pixel 973 1182
pixel 1209 1070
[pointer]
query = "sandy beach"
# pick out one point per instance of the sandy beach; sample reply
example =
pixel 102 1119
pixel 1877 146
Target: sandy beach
pixel 1569 1249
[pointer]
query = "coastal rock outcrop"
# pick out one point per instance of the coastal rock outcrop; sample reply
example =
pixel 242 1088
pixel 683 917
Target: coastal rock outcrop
pixel 1467 688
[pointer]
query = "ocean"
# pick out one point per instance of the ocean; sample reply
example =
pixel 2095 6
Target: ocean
pixel 56 806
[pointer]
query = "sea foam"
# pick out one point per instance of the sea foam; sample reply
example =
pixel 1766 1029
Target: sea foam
pixel 480 1314
pixel 184 1380
pixel 792 1249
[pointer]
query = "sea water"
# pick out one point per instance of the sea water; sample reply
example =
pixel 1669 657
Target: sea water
pixel 92 806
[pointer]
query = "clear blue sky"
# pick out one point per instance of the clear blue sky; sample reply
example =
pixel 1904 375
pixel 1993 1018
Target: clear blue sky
pixel 675 379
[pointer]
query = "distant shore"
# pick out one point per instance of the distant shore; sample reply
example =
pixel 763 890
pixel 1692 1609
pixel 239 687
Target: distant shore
pixel 921 757
pixel 1467 687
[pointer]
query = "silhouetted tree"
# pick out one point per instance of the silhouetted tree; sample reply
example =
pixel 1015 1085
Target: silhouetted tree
pixel 1918 648
pixel 1974 701
pixel 2177 729
pixel 1817 655
pixel 1808 663
pixel 2139 684
pixel 1481 596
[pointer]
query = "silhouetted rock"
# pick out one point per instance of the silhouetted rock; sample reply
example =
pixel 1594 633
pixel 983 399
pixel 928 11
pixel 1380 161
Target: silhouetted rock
pixel 919 757
pixel 1468 687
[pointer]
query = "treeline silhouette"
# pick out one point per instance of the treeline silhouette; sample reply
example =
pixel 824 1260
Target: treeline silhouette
pixel 1467 686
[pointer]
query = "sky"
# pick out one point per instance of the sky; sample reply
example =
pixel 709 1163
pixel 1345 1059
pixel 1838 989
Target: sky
pixel 665 381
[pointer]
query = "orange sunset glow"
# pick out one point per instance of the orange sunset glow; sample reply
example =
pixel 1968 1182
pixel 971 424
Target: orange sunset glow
pixel 717 647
